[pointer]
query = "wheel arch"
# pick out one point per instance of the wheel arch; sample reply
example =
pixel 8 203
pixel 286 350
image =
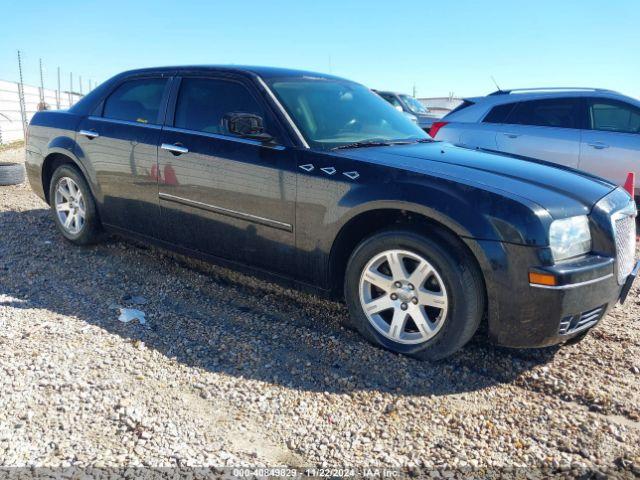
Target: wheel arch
pixel 54 159
pixel 371 221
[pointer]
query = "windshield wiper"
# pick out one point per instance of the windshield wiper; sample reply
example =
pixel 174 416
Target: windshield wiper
pixel 383 143
pixel 370 143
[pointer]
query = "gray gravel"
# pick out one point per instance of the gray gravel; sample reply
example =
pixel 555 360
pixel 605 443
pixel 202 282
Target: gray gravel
pixel 230 370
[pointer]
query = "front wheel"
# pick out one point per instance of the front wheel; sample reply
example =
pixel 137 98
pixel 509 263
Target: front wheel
pixel 414 295
pixel 72 205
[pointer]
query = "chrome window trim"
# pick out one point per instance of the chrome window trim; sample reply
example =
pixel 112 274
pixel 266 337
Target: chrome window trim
pixel 572 285
pixel 125 122
pixel 283 111
pixel 218 136
pixel 226 211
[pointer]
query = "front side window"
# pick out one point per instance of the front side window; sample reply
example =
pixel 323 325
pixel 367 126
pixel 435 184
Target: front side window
pixel 204 102
pixel 612 116
pixel 332 113
pixel 136 101
pixel 553 112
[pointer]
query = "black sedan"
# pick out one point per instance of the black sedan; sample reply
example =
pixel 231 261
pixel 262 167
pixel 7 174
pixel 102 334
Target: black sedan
pixel 315 179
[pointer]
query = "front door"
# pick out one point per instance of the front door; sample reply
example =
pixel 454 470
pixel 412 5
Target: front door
pixel 221 194
pixel 120 145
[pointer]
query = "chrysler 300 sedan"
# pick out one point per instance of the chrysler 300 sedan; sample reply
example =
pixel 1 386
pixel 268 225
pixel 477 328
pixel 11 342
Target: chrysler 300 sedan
pixel 315 179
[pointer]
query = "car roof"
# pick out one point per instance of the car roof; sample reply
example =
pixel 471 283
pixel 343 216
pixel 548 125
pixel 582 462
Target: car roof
pixel 480 106
pixel 261 71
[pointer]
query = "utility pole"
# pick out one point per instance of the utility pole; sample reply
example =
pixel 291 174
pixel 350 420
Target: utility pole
pixel 80 82
pixel 23 110
pixel 414 90
pixel 70 87
pixel 41 84
pixel 58 91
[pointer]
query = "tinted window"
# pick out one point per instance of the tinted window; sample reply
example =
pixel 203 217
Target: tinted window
pixel 203 103
pixel 612 116
pixel 499 114
pixel 136 101
pixel 555 112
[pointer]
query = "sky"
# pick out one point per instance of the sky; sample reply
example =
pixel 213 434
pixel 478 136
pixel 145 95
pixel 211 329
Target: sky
pixel 437 48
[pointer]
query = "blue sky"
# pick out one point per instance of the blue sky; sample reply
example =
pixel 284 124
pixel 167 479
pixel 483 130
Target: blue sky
pixel 439 47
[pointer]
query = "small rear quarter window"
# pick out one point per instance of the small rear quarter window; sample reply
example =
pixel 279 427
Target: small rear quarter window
pixel 499 113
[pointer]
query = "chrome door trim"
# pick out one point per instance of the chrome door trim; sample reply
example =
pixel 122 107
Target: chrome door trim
pixel 229 138
pixel 125 122
pixel 228 212
pixel 174 148
pixel 283 111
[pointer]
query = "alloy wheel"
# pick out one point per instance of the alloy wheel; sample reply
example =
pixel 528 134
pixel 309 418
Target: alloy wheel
pixel 403 296
pixel 70 205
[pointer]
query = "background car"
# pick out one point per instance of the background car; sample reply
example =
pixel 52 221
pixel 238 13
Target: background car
pixel 594 130
pixel 412 106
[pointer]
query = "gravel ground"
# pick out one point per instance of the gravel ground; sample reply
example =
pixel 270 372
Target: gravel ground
pixel 230 370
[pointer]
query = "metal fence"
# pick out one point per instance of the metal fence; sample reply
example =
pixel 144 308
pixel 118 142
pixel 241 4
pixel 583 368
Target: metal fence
pixel 16 108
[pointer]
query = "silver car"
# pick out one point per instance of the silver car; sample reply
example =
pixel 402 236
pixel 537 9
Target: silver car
pixel 594 130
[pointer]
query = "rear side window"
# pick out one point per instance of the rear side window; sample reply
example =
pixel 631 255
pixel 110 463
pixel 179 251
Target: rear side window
pixel 499 113
pixel 203 103
pixel 612 116
pixel 136 101
pixel 554 112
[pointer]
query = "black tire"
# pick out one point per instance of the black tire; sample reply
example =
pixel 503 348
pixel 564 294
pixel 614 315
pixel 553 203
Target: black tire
pixel 11 173
pixel 459 273
pixel 90 231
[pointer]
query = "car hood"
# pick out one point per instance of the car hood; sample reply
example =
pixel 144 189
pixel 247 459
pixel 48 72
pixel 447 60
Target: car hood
pixel 560 190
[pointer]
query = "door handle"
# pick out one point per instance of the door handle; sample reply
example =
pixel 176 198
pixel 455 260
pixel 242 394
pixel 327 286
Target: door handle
pixel 598 145
pixel 175 148
pixel 511 135
pixel 90 134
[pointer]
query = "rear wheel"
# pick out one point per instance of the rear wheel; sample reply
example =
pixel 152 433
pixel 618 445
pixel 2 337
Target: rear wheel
pixel 414 295
pixel 73 206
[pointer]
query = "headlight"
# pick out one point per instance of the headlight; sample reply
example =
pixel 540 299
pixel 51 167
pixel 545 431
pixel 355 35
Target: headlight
pixel 569 237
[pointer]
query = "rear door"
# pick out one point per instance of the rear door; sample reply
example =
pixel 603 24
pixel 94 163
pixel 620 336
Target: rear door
pixel 547 129
pixel 119 143
pixel 611 145
pixel 221 194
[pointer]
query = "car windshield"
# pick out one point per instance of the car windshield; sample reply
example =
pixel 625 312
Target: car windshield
pixel 414 105
pixel 333 113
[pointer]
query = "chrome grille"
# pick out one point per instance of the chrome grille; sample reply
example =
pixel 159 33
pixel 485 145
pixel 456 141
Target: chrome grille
pixel 575 323
pixel 625 231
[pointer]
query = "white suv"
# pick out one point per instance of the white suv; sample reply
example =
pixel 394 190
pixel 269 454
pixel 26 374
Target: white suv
pixel 594 130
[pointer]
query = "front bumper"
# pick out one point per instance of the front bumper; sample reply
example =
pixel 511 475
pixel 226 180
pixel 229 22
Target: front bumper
pixel 549 315
pixel 526 316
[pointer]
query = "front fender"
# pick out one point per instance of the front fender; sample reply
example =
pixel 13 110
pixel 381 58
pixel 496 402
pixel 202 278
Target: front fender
pixel 467 211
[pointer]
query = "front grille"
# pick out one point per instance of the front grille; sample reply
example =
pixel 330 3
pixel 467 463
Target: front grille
pixel 575 323
pixel 625 231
